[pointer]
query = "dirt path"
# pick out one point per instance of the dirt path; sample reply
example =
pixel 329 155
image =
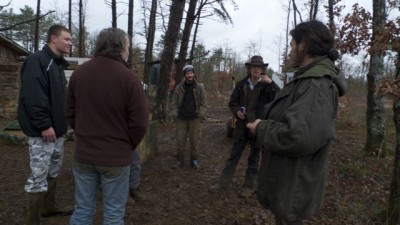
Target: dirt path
pixel 356 189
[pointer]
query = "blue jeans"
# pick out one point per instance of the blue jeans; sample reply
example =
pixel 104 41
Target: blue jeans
pixel 135 169
pixel 114 185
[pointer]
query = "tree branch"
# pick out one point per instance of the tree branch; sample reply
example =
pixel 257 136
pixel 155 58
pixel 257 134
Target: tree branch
pixel 3 6
pixel 25 21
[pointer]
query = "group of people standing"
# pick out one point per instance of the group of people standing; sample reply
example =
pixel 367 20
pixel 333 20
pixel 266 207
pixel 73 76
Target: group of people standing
pixel 106 107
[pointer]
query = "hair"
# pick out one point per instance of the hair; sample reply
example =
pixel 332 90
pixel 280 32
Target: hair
pixel 56 31
pixel 110 42
pixel 317 38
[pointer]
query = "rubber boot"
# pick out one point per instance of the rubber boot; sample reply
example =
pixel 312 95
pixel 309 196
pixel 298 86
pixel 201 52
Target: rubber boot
pixel 49 207
pixel 32 216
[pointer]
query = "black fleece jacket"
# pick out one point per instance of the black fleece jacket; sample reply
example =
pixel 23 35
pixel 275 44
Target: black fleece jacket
pixel 42 93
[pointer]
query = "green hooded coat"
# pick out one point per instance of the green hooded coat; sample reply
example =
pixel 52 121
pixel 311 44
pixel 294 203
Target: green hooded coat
pixel 295 135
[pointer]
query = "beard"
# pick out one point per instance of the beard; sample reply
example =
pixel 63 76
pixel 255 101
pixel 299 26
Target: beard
pixel 189 81
pixel 296 58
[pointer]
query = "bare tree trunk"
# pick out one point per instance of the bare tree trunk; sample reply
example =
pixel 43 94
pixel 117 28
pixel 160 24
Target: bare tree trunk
pixel 294 12
pixel 70 21
pixel 148 55
pixel 196 28
pixel 81 31
pixel 331 16
pixel 375 103
pixel 190 17
pixel 311 9
pixel 167 58
pixel 130 30
pixel 394 199
pixel 392 214
pixel 114 14
pixel 37 26
pixel 316 3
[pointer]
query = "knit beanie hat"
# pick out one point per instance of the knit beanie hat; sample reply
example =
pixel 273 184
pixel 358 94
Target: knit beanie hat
pixel 187 68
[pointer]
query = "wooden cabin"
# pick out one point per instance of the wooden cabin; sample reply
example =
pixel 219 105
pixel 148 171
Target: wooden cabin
pixel 11 59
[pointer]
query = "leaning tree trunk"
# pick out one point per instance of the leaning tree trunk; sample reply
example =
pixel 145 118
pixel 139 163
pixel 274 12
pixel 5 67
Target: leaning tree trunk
pixel 190 17
pixel 375 102
pixel 167 58
pixel 148 55
pixel 196 28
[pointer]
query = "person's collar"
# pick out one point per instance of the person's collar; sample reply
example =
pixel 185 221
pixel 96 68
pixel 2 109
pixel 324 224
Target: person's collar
pixel 250 81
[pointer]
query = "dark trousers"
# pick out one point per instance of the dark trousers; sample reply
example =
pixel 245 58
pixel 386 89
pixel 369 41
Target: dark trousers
pixel 183 129
pixel 234 158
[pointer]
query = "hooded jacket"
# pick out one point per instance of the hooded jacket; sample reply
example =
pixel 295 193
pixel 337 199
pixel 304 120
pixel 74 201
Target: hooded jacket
pixel 42 93
pixel 295 135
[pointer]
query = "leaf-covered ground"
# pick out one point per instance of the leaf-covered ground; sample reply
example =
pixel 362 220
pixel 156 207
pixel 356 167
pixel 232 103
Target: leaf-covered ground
pixel 356 190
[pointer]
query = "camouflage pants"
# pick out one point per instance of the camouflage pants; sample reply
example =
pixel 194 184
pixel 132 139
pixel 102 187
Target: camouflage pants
pixel 45 161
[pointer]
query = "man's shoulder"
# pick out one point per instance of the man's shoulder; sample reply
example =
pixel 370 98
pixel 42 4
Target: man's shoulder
pixel 200 85
pixel 37 58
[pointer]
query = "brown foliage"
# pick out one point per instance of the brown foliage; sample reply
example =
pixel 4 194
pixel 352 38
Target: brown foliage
pixel 389 87
pixel 222 81
pixel 355 33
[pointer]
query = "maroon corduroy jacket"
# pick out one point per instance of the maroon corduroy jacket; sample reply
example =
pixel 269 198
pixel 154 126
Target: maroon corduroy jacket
pixel 107 108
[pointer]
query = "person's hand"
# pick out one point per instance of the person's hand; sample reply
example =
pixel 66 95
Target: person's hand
pixel 49 135
pixel 252 126
pixel 265 79
pixel 241 115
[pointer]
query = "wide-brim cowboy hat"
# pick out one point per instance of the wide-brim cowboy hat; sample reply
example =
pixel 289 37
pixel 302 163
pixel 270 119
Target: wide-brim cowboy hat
pixel 256 61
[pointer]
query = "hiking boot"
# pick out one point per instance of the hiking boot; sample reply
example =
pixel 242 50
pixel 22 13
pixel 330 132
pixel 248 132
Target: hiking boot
pixel 246 192
pixel 217 188
pixel 196 164
pixel 136 194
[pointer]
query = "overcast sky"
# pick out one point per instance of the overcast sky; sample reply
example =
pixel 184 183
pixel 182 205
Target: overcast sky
pixel 260 21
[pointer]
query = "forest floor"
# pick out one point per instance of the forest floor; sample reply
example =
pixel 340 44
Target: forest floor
pixel 357 187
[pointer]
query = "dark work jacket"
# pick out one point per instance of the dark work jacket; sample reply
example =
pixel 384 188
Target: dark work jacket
pixel 200 99
pixel 107 108
pixel 42 93
pixel 295 135
pixel 239 98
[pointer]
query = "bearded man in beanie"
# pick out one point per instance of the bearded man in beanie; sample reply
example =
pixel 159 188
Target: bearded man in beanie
pixel 189 103
pixel 246 103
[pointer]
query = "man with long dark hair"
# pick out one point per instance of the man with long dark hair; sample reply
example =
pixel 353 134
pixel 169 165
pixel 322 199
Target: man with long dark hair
pixel 297 128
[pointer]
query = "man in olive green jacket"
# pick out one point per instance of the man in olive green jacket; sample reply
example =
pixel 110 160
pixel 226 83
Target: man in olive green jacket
pixel 189 104
pixel 298 127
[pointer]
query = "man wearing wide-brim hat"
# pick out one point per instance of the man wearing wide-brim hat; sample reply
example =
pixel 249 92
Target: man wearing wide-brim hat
pixel 246 103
